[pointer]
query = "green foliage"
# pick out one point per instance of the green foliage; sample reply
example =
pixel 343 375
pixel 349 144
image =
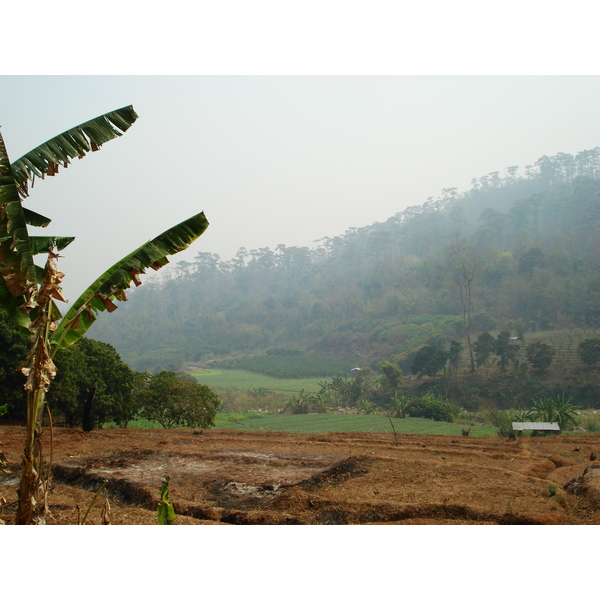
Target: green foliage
pixel 454 355
pixel 433 407
pixel 300 404
pixel 367 407
pixel 3 410
pixel 399 405
pixel 505 349
pixel 14 345
pixel 178 401
pixel 392 376
pixel 483 348
pixel 502 420
pixel 92 373
pixel 589 350
pixel 540 354
pixel 349 391
pixel 165 513
pixel 429 361
pixel 556 410
pixel 588 421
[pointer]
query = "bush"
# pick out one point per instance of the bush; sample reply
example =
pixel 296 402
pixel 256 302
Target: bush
pixel 502 419
pixel 589 421
pixel 555 410
pixel 433 407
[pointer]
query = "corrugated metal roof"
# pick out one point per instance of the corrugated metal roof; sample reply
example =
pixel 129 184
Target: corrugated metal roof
pixel 537 426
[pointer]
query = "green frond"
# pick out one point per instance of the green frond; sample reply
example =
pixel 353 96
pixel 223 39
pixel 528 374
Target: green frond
pixel 16 259
pixel 76 142
pixel 35 219
pixel 40 244
pixel 111 284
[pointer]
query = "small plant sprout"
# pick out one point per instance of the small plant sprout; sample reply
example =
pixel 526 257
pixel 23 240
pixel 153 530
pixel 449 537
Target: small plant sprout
pixel 165 512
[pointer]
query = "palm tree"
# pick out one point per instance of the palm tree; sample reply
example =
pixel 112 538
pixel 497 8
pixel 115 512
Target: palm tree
pixel 28 291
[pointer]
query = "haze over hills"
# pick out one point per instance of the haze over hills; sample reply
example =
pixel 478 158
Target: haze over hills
pixel 528 237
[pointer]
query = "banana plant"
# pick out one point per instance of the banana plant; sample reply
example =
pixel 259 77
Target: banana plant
pixel 28 292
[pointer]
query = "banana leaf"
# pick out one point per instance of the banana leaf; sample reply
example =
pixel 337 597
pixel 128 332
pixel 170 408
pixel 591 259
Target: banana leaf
pixel 111 285
pixel 16 258
pixel 35 219
pixel 76 142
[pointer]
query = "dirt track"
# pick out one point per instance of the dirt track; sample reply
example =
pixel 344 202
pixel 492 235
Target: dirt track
pixel 232 477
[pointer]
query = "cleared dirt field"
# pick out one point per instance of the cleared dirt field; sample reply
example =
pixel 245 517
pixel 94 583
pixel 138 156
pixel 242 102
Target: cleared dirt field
pixel 230 477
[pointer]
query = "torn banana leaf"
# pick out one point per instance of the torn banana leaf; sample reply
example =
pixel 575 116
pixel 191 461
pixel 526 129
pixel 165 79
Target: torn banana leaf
pixel 112 284
pixel 76 142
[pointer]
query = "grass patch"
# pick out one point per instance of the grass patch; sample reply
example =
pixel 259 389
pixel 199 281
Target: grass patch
pixel 245 380
pixel 333 422
pixel 294 366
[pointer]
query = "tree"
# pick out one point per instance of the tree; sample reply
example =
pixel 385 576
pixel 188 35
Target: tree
pixel 392 377
pixel 540 354
pixel 92 380
pixel 589 350
pixel 505 351
pixel 428 361
pixel 530 260
pixel 464 266
pixel 178 400
pixel 454 354
pixel 28 292
pixel 484 348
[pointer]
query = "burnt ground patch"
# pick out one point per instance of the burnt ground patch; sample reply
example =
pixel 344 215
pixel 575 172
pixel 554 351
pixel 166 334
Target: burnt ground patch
pixel 225 477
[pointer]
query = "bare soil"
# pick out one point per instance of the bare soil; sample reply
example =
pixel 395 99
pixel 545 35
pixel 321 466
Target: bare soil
pixel 230 477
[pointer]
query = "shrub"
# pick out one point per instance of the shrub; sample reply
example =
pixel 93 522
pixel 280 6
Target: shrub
pixel 502 419
pixel 433 407
pixel 557 410
pixel 589 421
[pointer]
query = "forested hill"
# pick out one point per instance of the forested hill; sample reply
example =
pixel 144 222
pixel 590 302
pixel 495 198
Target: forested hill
pixel 528 237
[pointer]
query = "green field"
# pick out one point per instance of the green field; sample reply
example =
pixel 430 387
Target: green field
pixel 244 380
pixel 328 422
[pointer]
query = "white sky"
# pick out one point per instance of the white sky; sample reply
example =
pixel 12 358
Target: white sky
pixel 287 125
pixel 278 159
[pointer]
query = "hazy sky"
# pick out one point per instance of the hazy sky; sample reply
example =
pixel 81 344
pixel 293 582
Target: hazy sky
pixel 278 159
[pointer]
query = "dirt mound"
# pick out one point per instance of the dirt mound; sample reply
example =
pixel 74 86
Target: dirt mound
pixel 587 486
pixel 237 477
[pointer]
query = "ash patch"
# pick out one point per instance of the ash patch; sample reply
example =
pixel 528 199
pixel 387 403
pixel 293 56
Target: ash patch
pixel 354 466
pixel 237 494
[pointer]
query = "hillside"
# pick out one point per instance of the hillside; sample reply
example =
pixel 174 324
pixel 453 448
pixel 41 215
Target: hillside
pixel 526 243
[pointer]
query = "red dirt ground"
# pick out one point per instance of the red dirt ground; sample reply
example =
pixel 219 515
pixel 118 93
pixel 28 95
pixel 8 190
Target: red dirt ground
pixel 232 477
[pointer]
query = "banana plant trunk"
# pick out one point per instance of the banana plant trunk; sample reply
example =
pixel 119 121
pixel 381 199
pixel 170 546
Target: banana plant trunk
pixel 32 504
pixel 40 371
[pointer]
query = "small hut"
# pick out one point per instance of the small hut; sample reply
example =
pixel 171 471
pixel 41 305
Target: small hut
pixel 536 428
